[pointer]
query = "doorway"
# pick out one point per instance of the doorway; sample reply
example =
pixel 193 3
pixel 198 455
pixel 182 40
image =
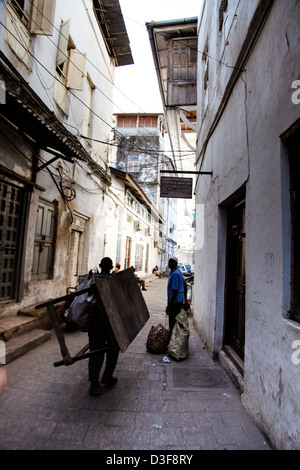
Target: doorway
pixel 78 230
pixel 13 209
pixel 235 290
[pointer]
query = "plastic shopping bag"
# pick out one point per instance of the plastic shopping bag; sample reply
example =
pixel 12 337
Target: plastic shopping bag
pixel 83 304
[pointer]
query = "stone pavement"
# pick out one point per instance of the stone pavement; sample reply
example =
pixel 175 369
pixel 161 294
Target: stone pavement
pixel 159 406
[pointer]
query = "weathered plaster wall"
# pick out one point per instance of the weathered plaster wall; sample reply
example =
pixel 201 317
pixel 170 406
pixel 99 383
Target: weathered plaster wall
pixel 89 200
pixel 246 149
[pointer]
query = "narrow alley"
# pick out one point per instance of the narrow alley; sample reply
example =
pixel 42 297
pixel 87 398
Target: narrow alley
pixel 156 405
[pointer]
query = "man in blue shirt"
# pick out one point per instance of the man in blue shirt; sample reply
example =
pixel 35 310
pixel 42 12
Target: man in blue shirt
pixel 176 292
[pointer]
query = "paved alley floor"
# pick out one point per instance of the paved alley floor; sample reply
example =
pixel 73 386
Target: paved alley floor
pixel 160 406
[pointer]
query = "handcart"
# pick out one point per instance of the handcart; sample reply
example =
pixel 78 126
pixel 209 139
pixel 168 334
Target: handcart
pixel 121 305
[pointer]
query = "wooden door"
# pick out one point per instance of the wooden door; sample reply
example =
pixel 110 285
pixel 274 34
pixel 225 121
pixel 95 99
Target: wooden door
pixel 78 230
pixel 127 253
pixel 13 200
pixel 235 279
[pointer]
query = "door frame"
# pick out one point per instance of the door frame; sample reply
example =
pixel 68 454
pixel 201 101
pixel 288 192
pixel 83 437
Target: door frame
pixel 235 282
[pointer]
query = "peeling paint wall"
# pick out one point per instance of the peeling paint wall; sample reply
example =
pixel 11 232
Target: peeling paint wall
pixel 244 149
pixel 83 214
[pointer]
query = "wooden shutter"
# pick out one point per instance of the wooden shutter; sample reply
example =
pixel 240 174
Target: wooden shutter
pixel 62 48
pixel 76 71
pixel 17 35
pixel 44 241
pixel 42 17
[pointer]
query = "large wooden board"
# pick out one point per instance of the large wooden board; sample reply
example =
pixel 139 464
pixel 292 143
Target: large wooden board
pixel 123 306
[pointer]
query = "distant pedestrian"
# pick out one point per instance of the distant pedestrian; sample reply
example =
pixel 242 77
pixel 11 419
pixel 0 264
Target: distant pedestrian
pixel 117 268
pixel 176 291
pixel 98 339
pixel 140 281
pixel 156 271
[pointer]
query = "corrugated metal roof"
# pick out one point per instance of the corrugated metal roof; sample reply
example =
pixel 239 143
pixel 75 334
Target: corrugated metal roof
pixel 113 27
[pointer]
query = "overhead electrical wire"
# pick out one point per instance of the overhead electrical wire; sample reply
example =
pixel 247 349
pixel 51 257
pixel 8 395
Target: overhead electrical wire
pixel 33 57
pixel 147 151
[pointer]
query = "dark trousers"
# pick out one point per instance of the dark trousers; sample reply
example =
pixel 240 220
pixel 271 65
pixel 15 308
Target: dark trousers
pixel 174 310
pixel 98 338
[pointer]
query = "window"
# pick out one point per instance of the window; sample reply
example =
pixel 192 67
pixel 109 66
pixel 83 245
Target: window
pixel 19 25
pixel 37 15
pixel 70 63
pixel 87 112
pixel 127 121
pixel 182 72
pixel 22 9
pixel 138 257
pixel 70 68
pixel 184 60
pixel 44 242
pixel 147 121
pixel 222 9
pixel 133 164
pixel 42 17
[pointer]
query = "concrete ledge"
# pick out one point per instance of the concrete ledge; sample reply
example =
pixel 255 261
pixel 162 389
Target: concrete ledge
pixel 231 370
pixel 17 325
pixel 41 316
pixel 20 345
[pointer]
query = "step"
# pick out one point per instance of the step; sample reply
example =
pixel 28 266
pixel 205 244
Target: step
pixel 10 327
pixel 43 321
pixel 20 345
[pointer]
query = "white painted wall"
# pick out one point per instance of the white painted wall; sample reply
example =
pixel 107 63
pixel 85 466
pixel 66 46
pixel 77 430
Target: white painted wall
pixel 89 201
pixel 259 109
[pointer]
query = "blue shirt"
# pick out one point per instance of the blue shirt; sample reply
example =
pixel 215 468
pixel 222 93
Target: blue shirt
pixel 176 282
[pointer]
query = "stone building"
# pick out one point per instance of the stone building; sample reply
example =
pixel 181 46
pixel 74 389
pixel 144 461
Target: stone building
pixel 174 49
pixel 57 65
pixel 246 304
pixel 140 151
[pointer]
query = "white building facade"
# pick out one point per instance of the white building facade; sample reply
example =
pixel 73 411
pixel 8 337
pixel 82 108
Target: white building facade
pixel 246 296
pixel 132 226
pixel 174 49
pixel 140 151
pixel 57 72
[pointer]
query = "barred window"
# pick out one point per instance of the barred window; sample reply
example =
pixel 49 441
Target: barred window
pixel 133 164
pixel 138 257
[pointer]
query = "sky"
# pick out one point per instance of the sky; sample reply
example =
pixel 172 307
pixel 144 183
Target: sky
pixel 136 86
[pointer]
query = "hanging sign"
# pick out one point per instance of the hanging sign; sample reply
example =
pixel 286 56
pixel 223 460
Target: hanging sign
pixel 176 187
